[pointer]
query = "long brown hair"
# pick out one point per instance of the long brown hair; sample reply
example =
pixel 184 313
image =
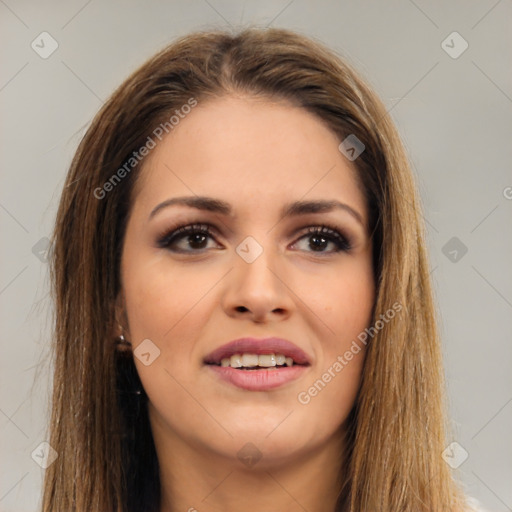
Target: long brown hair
pixel 99 425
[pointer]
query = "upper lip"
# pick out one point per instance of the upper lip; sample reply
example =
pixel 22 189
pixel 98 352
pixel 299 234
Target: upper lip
pixel 258 346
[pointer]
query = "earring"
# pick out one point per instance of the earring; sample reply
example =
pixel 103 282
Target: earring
pixel 122 340
pixel 122 343
pixel 124 346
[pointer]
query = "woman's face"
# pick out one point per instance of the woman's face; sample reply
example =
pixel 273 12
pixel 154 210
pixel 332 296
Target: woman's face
pixel 258 274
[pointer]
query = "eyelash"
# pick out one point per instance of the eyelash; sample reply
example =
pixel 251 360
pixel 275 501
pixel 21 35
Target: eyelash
pixel 330 233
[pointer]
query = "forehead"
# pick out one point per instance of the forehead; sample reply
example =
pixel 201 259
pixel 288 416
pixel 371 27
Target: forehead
pixel 251 152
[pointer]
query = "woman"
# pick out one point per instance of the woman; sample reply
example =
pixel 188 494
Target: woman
pixel 244 314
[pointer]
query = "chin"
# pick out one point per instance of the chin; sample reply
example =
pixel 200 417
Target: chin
pixel 257 452
pixel 275 437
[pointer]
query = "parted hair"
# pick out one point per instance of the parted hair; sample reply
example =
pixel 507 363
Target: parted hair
pixel 99 425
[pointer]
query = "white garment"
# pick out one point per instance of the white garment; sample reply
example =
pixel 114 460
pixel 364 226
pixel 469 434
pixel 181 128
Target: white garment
pixel 474 505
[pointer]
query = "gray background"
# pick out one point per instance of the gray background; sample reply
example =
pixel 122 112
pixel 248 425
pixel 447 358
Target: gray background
pixel 453 113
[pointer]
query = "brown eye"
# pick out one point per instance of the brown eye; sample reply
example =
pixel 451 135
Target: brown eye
pixel 195 235
pixel 321 236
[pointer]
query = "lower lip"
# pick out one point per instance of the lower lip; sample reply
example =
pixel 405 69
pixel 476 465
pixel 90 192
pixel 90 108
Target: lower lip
pixel 259 380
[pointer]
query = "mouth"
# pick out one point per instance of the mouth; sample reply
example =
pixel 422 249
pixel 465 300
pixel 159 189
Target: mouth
pixel 258 365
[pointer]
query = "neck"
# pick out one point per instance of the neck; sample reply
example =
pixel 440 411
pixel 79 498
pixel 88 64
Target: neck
pixel 195 479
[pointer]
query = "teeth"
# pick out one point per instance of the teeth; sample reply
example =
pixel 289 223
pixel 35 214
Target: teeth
pixel 236 361
pixel 252 360
pixel 280 359
pixel 267 360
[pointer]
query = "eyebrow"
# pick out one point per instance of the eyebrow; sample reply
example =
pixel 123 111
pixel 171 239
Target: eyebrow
pixel 291 209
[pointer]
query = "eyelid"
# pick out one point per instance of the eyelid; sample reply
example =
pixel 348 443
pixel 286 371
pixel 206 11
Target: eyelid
pixel 336 235
pixel 164 237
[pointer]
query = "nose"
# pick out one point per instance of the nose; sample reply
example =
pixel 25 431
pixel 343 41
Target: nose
pixel 258 290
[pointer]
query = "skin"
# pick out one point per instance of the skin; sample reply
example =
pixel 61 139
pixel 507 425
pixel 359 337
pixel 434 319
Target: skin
pixel 257 156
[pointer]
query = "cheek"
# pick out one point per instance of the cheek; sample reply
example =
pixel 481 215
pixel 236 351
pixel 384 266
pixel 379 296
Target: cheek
pixel 330 392
pixel 352 304
pixel 169 306
pixel 160 295
pixel 163 305
pixel 343 306
pixel 330 395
